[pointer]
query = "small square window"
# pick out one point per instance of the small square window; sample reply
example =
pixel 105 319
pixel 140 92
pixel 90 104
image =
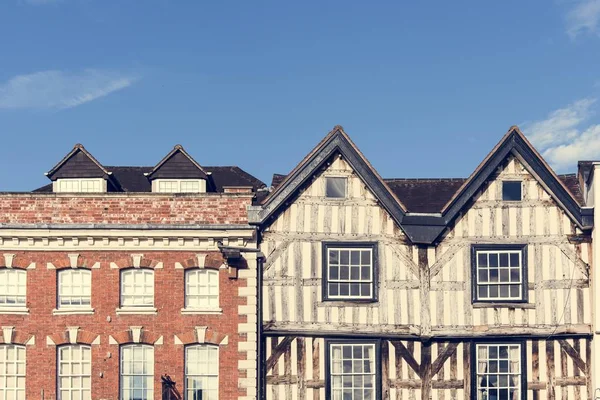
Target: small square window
pixel 511 190
pixel 335 188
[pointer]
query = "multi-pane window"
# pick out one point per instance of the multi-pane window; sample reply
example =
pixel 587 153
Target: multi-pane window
pixel 74 288
pixel 498 371
pixel 201 372
pixel 137 372
pixel 168 186
pixel 79 185
pixel 189 187
pixel 335 187
pixel 201 289
pixel 75 372
pixel 511 191
pixel 13 287
pixel 180 186
pixel 349 272
pixel 12 372
pixel 500 273
pixel 352 371
pixel 137 288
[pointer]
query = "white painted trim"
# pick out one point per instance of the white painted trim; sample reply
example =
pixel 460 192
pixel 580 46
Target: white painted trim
pixel 177 340
pixel 159 341
pixel 73 311
pixel 111 340
pixel 201 333
pixel 136 310
pixel 136 260
pixel 136 333
pixel 49 341
pixel 7 333
pixel 8 260
pixel 96 266
pixel 201 259
pixel 96 341
pixel 31 341
pixel 198 311
pixel 50 266
pixel 31 266
pixel 73 333
pixel 14 310
pixel 178 266
pixel 73 260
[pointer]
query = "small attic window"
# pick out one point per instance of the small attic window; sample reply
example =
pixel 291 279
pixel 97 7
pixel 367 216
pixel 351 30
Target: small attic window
pixel 511 191
pixel 96 185
pixel 179 185
pixel 335 187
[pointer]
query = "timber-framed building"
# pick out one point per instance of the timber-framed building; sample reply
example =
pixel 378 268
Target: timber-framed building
pixel 477 288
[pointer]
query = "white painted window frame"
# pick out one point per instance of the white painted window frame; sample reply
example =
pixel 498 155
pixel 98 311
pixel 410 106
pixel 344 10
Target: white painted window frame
pixel 127 369
pixel 13 371
pixel 76 185
pixel 177 185
pixel 84 292
pixel 74 373
pixel 349 281
pixel 337 372
pixel 129 307
pixel 499 283
pixel 202 288
pixel 499 380
pixel 205 368
pixel 13 300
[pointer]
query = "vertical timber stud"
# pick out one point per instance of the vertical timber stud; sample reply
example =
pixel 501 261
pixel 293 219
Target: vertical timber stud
pixel 424 274
pixel 425 370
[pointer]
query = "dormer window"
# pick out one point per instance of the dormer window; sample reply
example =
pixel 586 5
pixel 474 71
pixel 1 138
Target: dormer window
pixel 95 185
pixel 179 186
pixel 511 191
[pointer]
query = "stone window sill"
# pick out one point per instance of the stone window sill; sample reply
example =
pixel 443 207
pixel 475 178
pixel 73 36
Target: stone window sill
pixel 195 311
pixel 72 311
pixel 14 310
pixel 136 310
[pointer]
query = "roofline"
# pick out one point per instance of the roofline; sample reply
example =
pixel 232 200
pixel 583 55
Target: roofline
pixel 77 147
pixel 176 148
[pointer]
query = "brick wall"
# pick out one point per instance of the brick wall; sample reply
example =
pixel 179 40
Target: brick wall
pixel 168 322
pixel 119 208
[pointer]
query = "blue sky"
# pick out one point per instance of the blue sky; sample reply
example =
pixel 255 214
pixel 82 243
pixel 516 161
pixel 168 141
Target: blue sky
pixel 425 89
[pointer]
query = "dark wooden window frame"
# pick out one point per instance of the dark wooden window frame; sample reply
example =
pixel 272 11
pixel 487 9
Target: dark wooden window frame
pixel 524 270
pixel 499 341
pixel 350 245
pixel 376 342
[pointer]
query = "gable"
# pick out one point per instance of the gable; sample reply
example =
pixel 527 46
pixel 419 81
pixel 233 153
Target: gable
pixel 77 165
pixel 178 165
pixel 359 214
pixel 336 144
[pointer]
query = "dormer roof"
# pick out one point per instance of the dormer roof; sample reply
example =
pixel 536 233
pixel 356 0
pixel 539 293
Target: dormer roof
pixel 78 163
pixel 178 164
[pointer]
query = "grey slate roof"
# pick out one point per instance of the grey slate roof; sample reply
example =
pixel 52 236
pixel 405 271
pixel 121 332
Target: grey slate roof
pixel 429 195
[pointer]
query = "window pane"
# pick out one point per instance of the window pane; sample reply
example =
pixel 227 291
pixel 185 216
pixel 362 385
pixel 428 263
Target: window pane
pixel 511 191
pixel 352 371
pixel 13 287
pixel 497 273
pixel 201 288
pixel 349 273
pixel 137 288
pixel 74 379
pixel 498 371
pixel 335 187
pixel 12 371
pixel 137 372
pixel 74 288
pixel 201 372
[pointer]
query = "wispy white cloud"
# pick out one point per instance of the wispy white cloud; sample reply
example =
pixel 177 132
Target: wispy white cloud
pixel 565 136
pixel 584 18
pixel 60 89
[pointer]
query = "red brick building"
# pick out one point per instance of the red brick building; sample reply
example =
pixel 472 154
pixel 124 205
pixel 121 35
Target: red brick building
pixel 111 277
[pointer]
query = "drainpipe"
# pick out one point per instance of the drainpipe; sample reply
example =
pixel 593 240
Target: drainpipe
pixel 260 381
pixel 594 187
